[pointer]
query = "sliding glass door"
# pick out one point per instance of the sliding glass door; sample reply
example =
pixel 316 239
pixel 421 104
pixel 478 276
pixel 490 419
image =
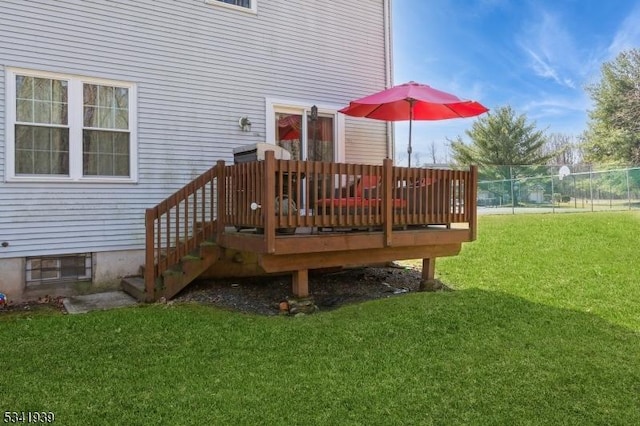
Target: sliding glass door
pixel 306 136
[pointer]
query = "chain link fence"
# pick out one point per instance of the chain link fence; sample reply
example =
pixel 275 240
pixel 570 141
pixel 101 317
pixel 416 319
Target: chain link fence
pixel 557 189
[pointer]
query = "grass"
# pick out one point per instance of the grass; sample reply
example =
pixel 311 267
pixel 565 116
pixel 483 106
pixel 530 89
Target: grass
pixel 543 329
pixel 585 262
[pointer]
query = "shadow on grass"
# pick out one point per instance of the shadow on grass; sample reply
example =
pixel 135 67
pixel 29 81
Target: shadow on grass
pixel 463 357
pixel 495 357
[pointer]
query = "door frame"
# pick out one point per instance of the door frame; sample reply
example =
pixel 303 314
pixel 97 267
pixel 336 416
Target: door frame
pixel 273 106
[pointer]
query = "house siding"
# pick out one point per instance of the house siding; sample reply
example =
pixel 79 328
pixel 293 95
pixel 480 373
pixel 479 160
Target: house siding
pixel 197 68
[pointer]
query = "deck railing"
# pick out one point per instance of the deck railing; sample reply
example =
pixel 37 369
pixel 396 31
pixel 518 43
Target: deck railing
pixel 279 196
pixel 289 194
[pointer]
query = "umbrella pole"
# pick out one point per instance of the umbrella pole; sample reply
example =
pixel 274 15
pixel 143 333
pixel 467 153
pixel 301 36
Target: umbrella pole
pixel 409 150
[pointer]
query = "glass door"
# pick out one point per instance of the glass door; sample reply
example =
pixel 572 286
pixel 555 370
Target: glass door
pixel 289 133
pixel 320 138
pixel 307 136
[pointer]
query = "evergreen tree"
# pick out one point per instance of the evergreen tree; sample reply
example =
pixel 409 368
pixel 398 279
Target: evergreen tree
pixel 502 138
pixel 613 134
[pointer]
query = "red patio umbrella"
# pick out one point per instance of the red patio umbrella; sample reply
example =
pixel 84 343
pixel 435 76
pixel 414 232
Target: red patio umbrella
pixel 412 101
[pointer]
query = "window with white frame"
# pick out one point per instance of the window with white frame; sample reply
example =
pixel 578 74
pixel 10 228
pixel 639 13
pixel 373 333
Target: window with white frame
pixel 41 126
pixel 69 128
pixel 245 5
pixel 105 133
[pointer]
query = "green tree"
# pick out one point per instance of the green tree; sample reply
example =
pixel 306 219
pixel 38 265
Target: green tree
pixel 500 140
pixel 613 133
pixel 563 148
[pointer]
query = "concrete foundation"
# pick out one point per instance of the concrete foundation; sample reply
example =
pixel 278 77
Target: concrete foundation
pixel 110 266
pixel 12 278
pixel 108 270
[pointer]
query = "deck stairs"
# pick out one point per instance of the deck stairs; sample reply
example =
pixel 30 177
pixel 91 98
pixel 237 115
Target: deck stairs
pixel 176 278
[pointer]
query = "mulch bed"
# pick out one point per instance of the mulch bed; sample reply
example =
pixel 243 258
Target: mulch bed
pixel 263 295
pixel 43 304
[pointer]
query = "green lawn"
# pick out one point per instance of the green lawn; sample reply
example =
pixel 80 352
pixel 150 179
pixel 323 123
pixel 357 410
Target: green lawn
pixel 543 328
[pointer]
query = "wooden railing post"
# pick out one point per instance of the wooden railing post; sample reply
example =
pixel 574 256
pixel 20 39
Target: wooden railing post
pixel 221 199
pixel 268 201
pixel 473 205
pixel 387 201
pixel 150 249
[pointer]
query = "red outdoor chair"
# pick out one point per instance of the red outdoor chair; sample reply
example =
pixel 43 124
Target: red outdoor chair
pixel 367 194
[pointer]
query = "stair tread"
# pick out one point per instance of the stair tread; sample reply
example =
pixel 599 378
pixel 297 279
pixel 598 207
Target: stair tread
pixel 177 277
pixel 136 282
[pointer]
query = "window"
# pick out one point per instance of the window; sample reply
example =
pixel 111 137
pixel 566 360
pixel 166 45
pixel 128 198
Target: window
pixel 41 128
pixel 58 269
pixel 245 5
pixel 69 128
pixel 307 136
pixel 105 135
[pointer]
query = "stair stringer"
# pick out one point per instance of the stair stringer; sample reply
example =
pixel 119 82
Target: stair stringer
pixel 176 278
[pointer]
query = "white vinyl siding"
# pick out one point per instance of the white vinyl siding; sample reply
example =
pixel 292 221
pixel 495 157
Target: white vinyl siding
pixel 195 77
pixel 358 132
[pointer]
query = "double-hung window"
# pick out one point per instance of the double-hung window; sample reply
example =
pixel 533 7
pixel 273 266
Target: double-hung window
pixel 41 126
pixel 105 132
pixel 63 127
pixel 245 5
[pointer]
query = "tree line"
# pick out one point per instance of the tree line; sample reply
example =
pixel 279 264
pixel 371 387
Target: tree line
pixel 504 137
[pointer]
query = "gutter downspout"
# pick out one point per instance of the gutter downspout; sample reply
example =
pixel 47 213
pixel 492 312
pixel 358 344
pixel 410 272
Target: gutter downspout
pixel 388 58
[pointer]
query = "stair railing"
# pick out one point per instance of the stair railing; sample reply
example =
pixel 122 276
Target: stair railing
pixel 178 224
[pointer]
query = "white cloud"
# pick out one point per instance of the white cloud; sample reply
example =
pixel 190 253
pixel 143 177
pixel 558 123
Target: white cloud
pixel 543 68
pixel 559 114
pixel 551 50
pixel 628 35
pixel 556 105
pixel 466 87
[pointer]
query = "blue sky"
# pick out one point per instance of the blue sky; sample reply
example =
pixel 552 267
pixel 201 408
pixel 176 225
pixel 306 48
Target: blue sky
pixel 535 55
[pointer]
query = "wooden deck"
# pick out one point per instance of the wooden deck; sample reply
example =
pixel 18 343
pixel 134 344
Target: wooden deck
pixel 293 216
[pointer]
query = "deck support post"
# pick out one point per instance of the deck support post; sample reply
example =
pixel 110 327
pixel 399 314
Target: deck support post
pixel 150 269
pixel 387 200
pixel 301 283
pixel 268 201
pixel 428 269
pixel 472 204
pixel 221 198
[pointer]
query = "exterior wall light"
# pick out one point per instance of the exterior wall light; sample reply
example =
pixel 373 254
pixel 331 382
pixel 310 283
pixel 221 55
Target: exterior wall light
pixel 245 124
